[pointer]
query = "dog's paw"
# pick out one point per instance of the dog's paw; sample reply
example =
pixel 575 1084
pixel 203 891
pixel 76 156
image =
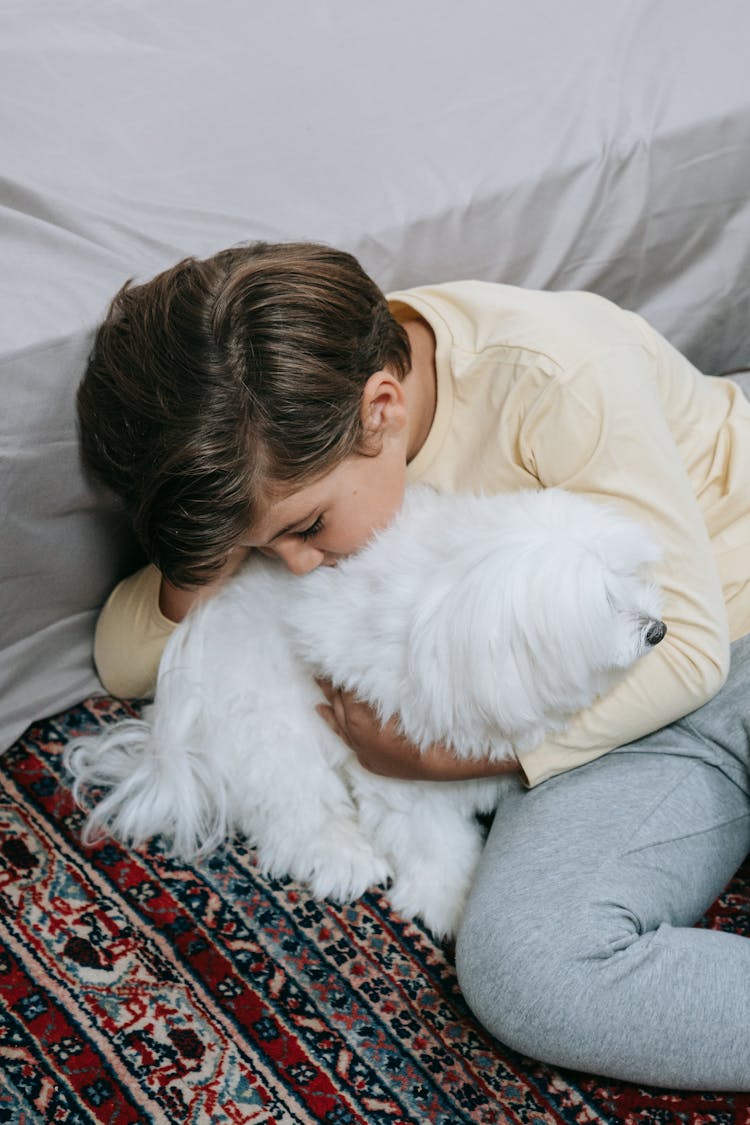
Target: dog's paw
pixel 334 859
pixel 438 902
pixel 343 864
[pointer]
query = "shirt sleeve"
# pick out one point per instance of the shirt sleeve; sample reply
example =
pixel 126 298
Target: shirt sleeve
pixel 602 431
pixel 130 636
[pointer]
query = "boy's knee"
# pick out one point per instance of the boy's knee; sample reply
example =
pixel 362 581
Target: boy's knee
pixel 502 984
pixel 529 981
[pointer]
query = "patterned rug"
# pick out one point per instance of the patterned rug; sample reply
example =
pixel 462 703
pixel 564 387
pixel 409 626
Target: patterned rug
pixel 134 989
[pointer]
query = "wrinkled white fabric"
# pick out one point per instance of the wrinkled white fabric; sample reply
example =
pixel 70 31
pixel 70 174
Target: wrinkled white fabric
pixel 578 146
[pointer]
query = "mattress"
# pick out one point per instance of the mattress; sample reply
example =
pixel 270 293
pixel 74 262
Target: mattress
pixel 604 147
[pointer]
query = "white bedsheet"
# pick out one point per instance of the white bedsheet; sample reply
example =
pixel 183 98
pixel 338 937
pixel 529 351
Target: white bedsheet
pixel 577 145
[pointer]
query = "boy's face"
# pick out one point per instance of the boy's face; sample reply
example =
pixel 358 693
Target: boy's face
pixel 335 515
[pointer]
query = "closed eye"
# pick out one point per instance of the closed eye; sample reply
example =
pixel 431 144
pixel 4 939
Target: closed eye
pixel 314 529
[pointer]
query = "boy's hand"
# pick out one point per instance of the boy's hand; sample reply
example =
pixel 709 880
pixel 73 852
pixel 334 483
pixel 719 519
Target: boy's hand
pixel 383 750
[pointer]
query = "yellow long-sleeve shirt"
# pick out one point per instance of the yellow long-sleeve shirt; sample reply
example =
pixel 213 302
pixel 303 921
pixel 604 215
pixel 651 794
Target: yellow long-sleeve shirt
pixel 536 389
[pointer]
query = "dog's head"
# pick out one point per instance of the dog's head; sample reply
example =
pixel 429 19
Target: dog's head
pixel 540 616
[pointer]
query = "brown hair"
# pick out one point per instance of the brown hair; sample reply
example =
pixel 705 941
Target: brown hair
pixel 224 377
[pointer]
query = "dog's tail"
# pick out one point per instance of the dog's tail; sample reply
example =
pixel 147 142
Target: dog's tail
pixel 157 775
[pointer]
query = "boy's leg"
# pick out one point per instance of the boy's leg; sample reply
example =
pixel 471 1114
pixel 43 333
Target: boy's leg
pixel 576 946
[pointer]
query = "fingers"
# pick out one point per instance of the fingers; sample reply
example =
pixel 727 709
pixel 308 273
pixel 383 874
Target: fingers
pixel 328 714
pixel 336 709
pixel 329 692
pixel 339 710
pixel 359 727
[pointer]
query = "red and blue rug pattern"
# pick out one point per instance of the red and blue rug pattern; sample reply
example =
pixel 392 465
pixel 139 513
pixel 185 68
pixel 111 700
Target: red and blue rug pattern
pixel 137 989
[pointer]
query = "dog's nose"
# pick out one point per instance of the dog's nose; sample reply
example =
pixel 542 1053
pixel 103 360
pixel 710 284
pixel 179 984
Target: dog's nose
pixel 656 632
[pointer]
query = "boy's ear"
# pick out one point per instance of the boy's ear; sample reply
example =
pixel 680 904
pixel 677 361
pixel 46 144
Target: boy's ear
pixel 383 404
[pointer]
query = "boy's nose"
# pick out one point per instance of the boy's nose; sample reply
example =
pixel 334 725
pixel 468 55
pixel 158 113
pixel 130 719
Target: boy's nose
pixel 299 557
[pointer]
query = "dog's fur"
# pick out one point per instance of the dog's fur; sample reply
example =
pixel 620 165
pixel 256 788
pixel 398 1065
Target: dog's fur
pixel 484 623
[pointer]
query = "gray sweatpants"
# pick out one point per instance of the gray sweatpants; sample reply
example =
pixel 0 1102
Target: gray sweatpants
pixel 577 946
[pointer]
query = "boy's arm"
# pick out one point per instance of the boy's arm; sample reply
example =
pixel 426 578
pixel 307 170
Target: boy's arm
pixel 603 432
pixel 383 750
pixel 131 633
pixel 135 624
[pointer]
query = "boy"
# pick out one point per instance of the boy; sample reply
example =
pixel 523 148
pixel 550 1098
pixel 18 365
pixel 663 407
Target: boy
pixel 271 398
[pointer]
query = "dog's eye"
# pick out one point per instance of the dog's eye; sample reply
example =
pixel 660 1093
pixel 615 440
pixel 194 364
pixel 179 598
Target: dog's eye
pixel 314 529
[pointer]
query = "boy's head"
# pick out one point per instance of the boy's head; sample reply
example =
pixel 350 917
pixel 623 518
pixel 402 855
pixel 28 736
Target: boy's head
pixel 223 382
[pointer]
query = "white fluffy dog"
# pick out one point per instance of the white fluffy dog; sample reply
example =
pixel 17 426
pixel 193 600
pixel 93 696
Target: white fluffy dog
pixel 484 623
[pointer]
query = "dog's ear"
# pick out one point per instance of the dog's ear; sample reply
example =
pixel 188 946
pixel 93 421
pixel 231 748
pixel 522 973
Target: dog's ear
pixel 466 657
pixel 623 545
pixel 519 637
